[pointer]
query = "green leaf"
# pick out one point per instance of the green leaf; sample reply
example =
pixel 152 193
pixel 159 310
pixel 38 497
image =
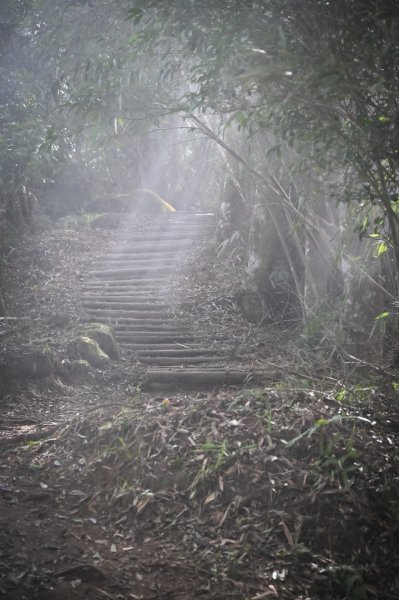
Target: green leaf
pixel 382 315
pixel 382 248
pixel 323 422
pixel 210 446
pixel 135 14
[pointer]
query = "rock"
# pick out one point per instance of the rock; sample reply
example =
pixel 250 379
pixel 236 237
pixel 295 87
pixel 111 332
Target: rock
pixel 104 337
pixel 59 320
pixel 76 371
pixel 251 305
pixel 89 350
pixel 107 221
pixel 31 364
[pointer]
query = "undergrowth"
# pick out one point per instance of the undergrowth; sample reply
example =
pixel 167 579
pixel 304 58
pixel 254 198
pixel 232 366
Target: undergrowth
pixel 295 485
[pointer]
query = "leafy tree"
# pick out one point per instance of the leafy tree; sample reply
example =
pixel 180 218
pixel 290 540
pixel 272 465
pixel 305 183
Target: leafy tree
pixel 301 97
pixel 323 76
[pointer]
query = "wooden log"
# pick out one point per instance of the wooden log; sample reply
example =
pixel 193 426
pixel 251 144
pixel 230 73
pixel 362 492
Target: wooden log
pixel 106 296
pixel 183 360
pixel 15 318
pixel 121 322
pixel 109 304
pixel 183 352
pixel 144 326
pixel 136 272
pixel 146 337
pixel 137 347
pixel 133 262
pixel 142 257
pixel 157 379
pixel 113 313
pixel 149 282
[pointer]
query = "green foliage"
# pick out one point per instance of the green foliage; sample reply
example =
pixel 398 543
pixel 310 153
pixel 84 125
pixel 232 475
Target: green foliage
pixel 303 96
pixel 337 459
pixel 323 77
pixel 320 424
pixel 323 328
pixel 216 456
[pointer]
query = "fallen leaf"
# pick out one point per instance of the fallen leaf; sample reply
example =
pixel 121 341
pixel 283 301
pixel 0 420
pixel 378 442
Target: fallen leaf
pixel 76 493
pixel 288 534
pixel 210 498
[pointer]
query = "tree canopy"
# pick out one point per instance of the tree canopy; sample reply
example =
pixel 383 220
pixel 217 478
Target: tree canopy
pixel 304 97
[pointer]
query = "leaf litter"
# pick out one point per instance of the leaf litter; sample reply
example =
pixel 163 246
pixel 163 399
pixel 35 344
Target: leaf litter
pixel 235 493
pixel 287 492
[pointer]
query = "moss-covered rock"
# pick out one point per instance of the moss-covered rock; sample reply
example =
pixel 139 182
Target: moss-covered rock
pixel 89 350
pixel 59 320
pixel 104 337
pixel 76 371
pixel 25 364
pixel 107 221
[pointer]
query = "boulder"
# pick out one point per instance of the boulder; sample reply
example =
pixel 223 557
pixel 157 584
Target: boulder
pixel 59 320
pixel 25 364
pixel 76 371
pixel 104 337
pixel 107 221
pixel 89 350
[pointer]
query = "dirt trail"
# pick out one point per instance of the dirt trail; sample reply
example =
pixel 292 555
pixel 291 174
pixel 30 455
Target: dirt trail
pixel 286 490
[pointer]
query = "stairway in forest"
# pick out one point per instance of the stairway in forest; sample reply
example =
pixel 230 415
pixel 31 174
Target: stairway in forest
pixel 130 290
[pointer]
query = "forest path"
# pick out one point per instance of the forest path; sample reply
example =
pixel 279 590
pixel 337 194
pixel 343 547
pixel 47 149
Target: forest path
pixel 131 289
pixel 247 491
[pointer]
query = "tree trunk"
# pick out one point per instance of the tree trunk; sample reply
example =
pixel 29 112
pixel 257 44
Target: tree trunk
pixel 263 244
pixel 323 276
